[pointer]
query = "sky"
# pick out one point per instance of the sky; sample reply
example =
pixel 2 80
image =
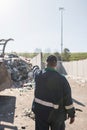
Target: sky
pixel 36 24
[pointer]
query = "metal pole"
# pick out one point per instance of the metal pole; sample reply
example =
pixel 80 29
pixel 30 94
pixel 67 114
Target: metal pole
pixel 61 9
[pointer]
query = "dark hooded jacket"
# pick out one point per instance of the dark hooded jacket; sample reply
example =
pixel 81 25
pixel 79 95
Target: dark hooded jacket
pixel 54 88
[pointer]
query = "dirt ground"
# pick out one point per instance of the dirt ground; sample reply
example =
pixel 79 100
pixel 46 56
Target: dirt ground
pixel 15 104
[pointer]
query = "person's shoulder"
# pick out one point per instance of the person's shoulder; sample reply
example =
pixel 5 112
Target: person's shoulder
pixel 62 76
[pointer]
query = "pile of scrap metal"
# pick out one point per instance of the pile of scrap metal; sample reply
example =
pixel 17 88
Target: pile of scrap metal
pixel 20 70
pixel 14 70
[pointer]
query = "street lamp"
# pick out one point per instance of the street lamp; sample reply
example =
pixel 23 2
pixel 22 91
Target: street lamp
pixel 61 9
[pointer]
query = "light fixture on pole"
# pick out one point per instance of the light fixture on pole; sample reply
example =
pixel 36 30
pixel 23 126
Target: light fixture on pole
pixel 61 9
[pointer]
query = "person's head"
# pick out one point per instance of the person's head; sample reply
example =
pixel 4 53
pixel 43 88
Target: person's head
pixel 51 61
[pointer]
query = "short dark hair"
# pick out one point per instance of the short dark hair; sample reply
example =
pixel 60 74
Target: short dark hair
pixel 51 59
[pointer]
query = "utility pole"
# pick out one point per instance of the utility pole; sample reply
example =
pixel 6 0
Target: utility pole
pixel 61 9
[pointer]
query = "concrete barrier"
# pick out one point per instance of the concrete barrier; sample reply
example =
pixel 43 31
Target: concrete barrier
pixel 76 68
pixel 37 60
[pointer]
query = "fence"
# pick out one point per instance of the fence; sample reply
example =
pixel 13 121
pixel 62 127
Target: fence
pixel 76 68
pixel 72 68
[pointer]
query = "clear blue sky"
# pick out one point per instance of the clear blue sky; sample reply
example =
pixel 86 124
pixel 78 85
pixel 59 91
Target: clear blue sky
pixel 36 24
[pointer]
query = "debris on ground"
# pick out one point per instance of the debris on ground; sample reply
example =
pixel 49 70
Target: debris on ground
pixel 19 70
pixel 30 114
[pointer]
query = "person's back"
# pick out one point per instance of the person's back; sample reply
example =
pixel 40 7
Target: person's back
pixel 52 98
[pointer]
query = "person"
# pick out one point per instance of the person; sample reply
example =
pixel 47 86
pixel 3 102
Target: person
pixel 52 103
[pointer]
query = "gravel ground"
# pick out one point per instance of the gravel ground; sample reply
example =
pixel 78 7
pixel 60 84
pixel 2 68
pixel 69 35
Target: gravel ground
pixel 15 104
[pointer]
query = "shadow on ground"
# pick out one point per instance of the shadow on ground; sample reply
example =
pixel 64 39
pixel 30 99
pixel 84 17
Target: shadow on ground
pixel 79 103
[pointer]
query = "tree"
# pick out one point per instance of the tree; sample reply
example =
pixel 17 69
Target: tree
pixel 57 54
pixel 66 55
pixel 38 50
